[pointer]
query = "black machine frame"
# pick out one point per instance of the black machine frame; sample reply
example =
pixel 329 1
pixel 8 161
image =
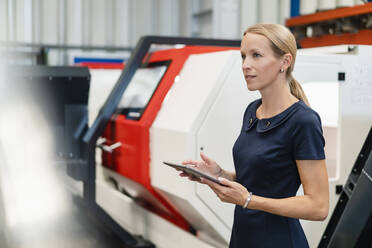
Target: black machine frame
pixel 351 222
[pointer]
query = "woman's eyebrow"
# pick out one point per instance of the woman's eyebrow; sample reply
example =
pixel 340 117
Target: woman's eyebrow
pixel 255 50
pixel 252 50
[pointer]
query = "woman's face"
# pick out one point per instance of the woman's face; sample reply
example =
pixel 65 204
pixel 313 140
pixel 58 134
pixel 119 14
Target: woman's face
pixel 260 66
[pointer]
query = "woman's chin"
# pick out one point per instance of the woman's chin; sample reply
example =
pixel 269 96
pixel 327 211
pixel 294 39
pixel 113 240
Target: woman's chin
pixel 251 87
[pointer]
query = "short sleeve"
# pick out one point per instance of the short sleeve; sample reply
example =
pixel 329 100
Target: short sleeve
pixel 308 140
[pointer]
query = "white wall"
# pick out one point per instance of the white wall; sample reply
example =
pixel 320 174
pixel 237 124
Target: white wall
pixel 168 18
pixel 142 19
pixel 74 22
pixel 50 21
pixel 226 19
pixel 120 23
pixel 36 21
pixel 3 20
pixel 248 14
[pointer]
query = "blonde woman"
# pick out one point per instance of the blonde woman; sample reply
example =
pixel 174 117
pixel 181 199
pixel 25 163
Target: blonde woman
pixel 280 146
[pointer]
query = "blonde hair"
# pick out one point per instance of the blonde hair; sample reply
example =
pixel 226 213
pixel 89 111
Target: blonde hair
pixel 282 42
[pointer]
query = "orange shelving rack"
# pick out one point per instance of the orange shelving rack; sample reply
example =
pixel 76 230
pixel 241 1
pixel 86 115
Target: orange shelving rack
pixel 349 25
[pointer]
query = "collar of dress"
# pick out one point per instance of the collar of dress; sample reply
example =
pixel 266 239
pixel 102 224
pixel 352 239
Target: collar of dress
pixel 267 124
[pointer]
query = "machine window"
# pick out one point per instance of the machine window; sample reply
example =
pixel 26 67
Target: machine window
pixel 141 88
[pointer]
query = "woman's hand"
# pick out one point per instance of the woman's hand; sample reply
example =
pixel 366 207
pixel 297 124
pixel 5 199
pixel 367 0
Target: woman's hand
pixel 207 165
pixel 231 192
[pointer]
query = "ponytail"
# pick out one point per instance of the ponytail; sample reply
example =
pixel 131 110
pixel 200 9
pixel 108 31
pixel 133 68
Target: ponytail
pixel 297 90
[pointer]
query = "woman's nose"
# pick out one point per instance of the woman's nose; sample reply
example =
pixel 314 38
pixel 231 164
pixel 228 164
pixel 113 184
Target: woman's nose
pixel 246 64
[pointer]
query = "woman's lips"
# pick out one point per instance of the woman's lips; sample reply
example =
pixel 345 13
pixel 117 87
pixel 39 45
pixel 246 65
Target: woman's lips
pixel 249 77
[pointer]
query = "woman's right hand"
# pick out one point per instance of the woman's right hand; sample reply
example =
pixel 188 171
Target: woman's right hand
pixel 206 165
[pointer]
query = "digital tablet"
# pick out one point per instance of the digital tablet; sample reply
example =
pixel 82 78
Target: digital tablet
pixel 189 170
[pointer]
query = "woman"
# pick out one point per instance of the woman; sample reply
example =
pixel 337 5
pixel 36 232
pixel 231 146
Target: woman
pixel 280 146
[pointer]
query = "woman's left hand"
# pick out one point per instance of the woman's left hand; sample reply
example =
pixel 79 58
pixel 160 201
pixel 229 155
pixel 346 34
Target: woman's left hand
pixel 231 192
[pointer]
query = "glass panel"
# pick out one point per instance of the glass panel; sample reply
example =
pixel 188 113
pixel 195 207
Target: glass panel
pixel 140 90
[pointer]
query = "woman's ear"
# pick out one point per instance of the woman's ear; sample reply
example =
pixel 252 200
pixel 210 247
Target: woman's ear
pixel 287 60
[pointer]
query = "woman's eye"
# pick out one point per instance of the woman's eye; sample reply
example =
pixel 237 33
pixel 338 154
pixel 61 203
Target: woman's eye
pixel 243 57
pixel 255 55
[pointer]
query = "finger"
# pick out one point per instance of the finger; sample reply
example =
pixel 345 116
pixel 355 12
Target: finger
pixel 192 162
pixel 205 181
pixel 212 185
pixel 202 180
pixel 225 182
pixel 205 158
pixel 190 177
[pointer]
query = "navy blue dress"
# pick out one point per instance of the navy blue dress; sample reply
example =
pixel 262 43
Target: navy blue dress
pixel 265 155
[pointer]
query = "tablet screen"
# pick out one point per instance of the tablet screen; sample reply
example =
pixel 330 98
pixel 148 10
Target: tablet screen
pixel 194 172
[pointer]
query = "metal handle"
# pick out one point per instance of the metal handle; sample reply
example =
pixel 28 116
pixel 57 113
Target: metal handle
pixel 107 148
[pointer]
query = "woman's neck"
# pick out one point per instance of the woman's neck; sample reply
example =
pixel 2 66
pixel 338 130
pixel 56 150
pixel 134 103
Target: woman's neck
pixel 275 99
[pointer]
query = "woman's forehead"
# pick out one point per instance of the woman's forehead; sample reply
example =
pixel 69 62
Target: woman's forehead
pixel 255 41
